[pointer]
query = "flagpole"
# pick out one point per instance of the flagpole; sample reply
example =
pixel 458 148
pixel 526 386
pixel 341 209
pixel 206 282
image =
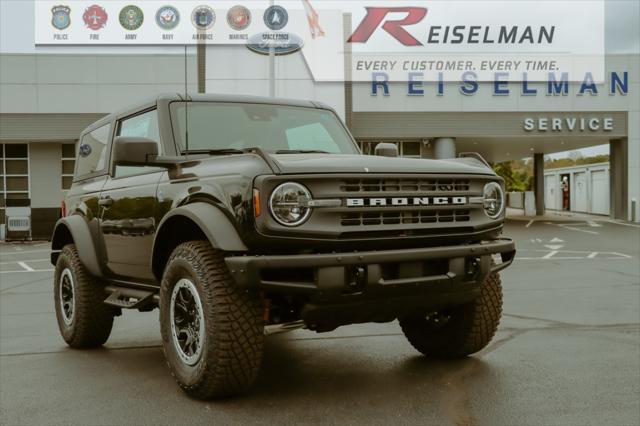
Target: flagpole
pixel 272 65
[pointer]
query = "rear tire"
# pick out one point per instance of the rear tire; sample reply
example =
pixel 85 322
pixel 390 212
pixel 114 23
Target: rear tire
pixel 212 331
pixel 83 319
pixel 459 331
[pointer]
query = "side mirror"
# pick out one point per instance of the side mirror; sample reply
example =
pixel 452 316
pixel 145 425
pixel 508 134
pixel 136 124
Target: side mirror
pixel 386 149
pixel 133 151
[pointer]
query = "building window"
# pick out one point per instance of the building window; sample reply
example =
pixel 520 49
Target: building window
pixel 68 164
pixel 409 149
pixel 14 174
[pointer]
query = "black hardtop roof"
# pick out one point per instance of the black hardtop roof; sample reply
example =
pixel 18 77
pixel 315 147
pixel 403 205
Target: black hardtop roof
pixel 165 98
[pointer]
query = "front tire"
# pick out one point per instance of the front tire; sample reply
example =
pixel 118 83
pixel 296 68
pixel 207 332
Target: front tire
pixel 83 318
pixel 459 331
pixel 212 331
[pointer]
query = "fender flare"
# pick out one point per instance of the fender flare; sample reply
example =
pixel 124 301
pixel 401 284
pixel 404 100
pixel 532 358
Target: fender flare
pixel 216 226
pixel 80 232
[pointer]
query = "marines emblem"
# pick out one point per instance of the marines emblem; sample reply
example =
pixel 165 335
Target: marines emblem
pixel 203 17
pixel 61 17
pixel 95 17
pixel 131 17
pixel 167 17
pixel 239 18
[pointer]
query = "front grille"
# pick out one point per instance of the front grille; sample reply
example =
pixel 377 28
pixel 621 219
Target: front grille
pixel 404 185
pixel 405 217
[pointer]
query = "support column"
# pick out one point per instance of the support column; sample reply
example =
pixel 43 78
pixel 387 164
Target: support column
pixel 618 182
pixel 444 148
pixel 538 182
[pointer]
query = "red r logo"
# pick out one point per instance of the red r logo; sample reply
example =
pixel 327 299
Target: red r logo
pixel 374 17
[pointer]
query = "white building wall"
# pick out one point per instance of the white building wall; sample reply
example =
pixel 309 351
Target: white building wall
pixel 237 70
pixel 88 83
pixel 592 196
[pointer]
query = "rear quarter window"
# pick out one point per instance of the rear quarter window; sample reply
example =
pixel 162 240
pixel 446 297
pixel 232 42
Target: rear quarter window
pixel 92 152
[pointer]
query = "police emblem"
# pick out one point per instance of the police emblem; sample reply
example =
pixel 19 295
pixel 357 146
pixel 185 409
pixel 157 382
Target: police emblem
pixel 131 17
pixel 61 17
pixel 276 17
pixel 167 17
pixel 203 17
pixel 95 17
pixel 239 18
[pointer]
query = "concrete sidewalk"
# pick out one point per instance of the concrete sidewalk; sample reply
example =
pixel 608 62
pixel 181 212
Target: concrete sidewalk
pixel 564 216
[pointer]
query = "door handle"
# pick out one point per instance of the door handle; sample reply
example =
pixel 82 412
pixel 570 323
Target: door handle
pixel 105 201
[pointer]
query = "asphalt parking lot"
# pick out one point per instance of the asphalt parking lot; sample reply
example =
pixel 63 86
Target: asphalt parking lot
pixel 567 352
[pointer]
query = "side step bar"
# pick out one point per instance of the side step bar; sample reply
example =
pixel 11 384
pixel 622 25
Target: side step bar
pixel 128 298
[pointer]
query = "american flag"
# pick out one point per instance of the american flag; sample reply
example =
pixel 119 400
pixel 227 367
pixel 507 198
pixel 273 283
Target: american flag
pixel 314 22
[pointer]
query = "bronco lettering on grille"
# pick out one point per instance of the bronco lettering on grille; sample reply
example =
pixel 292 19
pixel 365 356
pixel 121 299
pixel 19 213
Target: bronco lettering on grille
pixel 406 201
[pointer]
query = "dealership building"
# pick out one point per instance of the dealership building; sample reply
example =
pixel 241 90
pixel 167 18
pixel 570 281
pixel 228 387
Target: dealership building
pixel 48 95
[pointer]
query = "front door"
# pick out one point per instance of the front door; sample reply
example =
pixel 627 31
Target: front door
pixel 128 207
pixel 580 191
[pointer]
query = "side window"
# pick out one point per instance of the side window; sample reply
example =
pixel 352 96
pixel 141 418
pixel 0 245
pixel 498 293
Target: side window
pixel 311 137
pixel 143 126
pixel 92 151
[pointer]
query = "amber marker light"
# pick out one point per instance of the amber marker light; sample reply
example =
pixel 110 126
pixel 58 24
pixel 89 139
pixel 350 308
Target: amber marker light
pixel 256 203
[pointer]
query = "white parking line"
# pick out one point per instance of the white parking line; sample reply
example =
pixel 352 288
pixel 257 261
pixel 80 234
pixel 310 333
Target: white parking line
pixel 550 254
pixel 578 229
pixel 23 252
pixel 26 267
pixel 24 270
pixel 529 223
pixel 28 260
pixel 592 255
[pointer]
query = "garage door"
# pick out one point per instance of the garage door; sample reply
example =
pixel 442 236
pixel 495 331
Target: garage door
pixel 600 192
pixel 580 192
pixel 550 193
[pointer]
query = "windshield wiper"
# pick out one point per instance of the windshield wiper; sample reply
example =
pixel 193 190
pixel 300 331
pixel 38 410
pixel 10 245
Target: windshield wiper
pixel 301 151
pixel 221 151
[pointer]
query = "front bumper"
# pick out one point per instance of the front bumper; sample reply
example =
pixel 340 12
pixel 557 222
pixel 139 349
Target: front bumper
pixel 374 286
pixel 335 272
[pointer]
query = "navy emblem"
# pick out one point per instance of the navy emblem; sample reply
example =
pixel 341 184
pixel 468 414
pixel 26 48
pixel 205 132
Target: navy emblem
pixel 203 17
pixel 131 17
pixel 167 17
pixel 61 18
pixel 238 18
pixel 276 17
pixel 85 150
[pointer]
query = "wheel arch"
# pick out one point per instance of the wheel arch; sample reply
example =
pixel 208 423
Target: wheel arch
pixel 75 230
pixel 198 220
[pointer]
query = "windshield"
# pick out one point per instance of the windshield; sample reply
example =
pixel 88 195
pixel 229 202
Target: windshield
pixel 274 128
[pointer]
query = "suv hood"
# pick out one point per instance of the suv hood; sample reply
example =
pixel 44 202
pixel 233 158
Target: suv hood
pixel 341 163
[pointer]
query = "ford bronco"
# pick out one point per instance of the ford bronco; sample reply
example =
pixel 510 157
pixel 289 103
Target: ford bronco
pixel 239 215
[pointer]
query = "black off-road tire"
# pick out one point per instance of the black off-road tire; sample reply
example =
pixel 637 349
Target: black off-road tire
pixel 90 324
pixel 234 330
pixel 465 329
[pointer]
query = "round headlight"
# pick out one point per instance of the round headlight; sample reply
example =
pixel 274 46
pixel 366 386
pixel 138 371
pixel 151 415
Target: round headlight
pixel 289 204
pixel 493 200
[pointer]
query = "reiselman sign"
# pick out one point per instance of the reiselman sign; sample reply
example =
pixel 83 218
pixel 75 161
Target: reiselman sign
pixel 348 40
pixel 443 40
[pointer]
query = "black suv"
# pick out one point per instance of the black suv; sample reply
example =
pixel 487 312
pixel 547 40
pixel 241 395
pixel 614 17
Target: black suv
pixel 237 216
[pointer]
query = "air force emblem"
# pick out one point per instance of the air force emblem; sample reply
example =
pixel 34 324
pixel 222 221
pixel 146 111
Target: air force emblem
pixel 61 17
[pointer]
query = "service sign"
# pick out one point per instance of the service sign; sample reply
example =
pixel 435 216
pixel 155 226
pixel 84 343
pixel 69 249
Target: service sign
pixel 431 41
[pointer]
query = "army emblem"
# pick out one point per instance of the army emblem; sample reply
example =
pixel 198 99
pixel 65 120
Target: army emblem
pixel 131 17
pixel 61 17
pixel 276 17
pixel 239 18
pixel 95 17
pixel 167 17
pixel 203 17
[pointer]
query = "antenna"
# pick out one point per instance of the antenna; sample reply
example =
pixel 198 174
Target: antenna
pixel 186 104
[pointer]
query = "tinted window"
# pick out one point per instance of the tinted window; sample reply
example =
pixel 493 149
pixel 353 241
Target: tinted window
pixel 92 151
pixel 143 126
pixel 217 125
